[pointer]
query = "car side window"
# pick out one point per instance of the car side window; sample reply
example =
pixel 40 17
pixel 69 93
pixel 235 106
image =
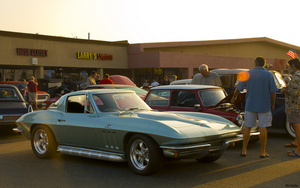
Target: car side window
pixel 225 80
pixel 75 104
pixel 184 99
pixel 158 98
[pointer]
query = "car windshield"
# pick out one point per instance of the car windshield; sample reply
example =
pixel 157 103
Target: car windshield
pixel 113 102
pixel 280 83
pixel 8 94
pixel 211 97
pixel 135 89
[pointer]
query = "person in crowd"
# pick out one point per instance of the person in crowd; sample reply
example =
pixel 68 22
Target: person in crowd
pixel 22 88
pixel 260 101
pixel 292 102
pixel 91 79
pixel 106 80
pixel 97 78
pixel 166 81
pixel 145 84
pixel 32 92
pixel 205 77
pixel 174 77
pixel 154 83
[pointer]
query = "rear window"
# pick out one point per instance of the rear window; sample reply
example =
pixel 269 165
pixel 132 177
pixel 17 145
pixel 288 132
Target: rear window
pixel 8 94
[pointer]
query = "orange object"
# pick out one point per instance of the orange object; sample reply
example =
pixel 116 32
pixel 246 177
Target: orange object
pixel 243 76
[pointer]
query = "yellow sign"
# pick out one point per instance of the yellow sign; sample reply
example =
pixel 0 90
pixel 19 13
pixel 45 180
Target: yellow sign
pixel 85 55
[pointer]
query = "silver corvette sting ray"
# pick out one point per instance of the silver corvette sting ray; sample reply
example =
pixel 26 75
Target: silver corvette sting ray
pixel 117 125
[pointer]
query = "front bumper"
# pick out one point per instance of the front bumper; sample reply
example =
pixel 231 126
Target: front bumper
pixel 199 151
pixel 9 119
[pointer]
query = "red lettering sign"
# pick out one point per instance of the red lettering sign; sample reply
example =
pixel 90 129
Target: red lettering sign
pixel 32 52
pixel 23 51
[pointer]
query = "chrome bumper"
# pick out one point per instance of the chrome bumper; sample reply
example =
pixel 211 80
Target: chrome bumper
pixel 17 130
pixel 198 151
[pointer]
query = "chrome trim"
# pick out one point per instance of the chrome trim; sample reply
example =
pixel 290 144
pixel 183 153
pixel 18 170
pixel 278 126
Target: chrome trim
pixel 185 147
pixel 18 130
pixel 251 134
pixel 91 153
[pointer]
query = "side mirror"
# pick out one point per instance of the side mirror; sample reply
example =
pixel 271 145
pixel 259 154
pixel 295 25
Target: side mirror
pixel 197 106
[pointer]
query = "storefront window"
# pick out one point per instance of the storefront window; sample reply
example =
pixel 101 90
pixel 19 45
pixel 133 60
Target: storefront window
pixel 15 74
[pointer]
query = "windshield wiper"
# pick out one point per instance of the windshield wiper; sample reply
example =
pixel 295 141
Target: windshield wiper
pixel 129 109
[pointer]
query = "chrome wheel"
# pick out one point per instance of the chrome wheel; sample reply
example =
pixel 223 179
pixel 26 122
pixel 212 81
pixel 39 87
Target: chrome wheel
pixel 143 155
pixel 43 142
pixel 139 154
pixel 40 141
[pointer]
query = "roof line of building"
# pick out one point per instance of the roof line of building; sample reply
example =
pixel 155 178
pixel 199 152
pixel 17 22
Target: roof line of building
pixel 214 42
pixel 61 39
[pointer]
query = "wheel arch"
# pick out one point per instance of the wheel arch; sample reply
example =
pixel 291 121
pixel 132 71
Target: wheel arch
pixel 131 134
pixel 45 125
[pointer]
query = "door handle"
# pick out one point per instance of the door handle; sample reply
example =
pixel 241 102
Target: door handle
pixel 60 120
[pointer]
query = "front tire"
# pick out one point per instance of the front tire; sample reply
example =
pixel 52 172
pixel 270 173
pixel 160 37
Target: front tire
pixel 143 155
pixel 43 142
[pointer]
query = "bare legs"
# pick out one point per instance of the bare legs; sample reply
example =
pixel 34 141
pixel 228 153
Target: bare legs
pixel 297 139
pixel 263 140
pixel 262 137
pixel 246 138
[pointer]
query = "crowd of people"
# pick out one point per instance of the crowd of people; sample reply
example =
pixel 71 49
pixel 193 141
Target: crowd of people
pixel 95 79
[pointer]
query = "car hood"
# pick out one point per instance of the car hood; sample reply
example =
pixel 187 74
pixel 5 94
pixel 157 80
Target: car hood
pixel 190 123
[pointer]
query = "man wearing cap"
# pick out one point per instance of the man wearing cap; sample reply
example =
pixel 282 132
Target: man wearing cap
pixel 260 101
pixel 32 92
pixel 91 79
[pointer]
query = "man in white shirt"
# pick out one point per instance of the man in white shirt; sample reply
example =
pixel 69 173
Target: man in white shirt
pixel 91 79
pixel 154 83
pixel 205 77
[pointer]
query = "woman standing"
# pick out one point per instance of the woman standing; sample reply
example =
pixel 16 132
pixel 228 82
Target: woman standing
pixel 292 102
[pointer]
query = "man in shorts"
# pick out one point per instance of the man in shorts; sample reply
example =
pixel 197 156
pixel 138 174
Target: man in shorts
pixel 260 101
pixel 32 92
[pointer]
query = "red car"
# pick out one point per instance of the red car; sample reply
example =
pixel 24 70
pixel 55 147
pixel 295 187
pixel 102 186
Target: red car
pixel 196 98
pixel 41 95
pixel 121 82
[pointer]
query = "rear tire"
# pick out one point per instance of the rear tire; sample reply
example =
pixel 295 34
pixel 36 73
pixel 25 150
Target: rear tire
pixel 143 155
pixel 289 129
pixel 43 142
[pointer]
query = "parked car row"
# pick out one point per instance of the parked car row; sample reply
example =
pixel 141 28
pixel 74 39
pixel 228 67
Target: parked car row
pixel 117 123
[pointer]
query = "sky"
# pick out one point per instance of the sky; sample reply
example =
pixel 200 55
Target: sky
pixel 141 21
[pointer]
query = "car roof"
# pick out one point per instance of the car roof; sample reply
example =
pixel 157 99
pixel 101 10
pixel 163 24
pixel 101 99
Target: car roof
pixel 228 71
pixel 100 91
pixel 109 85
pixel 190 87
pixel 7 82
pixel 8 85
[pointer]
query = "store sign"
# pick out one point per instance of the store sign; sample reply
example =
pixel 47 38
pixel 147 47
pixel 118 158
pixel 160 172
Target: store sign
pixel 32 52
pixel 85 55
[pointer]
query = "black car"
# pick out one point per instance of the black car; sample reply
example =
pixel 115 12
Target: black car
pixel 12 105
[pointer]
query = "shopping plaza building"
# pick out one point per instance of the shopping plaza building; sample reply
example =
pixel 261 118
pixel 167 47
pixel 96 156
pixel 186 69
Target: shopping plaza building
pixel 71 59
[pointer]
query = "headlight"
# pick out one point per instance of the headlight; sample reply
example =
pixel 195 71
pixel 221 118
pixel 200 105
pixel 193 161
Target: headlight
pixel 240 119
